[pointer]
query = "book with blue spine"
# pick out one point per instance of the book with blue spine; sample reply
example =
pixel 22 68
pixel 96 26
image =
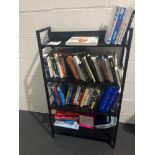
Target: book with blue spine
pixel 61 94
pixel 108 99
pixel 118 23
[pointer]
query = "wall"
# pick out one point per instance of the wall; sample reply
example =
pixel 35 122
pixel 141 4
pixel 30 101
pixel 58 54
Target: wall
pixel 63 15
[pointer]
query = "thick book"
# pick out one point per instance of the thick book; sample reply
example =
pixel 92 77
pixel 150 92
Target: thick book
pixel 91 76
pixel 56 57
pixel 77 63
pixel 97 68
pixel 72 66
pixel 83 40
pixel 108 99
pixel 118 23
pixel 62 66
pixel 92 67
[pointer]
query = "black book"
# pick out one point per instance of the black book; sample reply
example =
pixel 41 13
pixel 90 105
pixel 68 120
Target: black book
pixel 112 65
pixel 84 71
pixel 55 68
pixel 92 67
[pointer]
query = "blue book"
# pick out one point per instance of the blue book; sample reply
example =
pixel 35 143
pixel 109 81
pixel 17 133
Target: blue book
pixel 61 95
pixel 108 99
pixel 118 24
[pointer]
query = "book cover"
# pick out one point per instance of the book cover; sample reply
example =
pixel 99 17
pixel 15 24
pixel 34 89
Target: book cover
pixel 72 66
pixel 118 23
pixel 83 40
pixel 108 98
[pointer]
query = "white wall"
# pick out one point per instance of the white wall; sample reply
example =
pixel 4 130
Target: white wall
pixel 63 15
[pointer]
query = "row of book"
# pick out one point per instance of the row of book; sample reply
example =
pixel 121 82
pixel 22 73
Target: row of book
pixel 122 17
pixel 76 120
pixel 86 68
pixel 82 96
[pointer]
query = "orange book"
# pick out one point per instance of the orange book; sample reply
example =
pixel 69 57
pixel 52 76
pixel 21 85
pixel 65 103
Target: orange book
pixel 72 66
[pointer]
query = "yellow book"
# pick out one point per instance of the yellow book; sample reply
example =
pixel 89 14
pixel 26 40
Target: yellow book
pixel 84 97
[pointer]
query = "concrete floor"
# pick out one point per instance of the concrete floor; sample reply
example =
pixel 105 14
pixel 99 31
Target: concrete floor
pixel 35 139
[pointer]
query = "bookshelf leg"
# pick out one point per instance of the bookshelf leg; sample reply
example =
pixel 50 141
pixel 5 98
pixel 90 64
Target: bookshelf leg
pixel 52 126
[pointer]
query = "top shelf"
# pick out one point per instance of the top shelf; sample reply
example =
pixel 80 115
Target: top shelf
pixel 64 36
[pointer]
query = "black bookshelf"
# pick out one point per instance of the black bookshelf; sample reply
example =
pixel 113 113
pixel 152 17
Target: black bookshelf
pixel 111 133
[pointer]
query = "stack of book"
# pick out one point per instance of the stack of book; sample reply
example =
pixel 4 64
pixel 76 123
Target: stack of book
pixel 66 120
pixel 81 96
pixel 122 18
pixel 83 67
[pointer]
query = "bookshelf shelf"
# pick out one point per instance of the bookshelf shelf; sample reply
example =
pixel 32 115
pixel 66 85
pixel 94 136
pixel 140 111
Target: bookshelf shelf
pixel 110 134
pixel 84 110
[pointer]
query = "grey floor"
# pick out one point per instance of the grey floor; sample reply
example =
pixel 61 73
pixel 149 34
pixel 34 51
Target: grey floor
pixel 35 139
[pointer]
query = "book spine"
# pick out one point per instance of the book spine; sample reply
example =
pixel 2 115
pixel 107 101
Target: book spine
pixel 76 62
pixel 81 96
pixel 127 24
pixel 97 69
pixel 117 26
pixel 118 76
pixel 46 66
pixel 61 95
pixel 71 95
pixel 108 37
pixel 62 66
pixel 50 66
pixel 67 97
pixel 121 26
pixel 84 97
pixel 58 65
pixel 90 94
pixel 77 96
pixel 88 69
pixel 112 65
pixel 104 68
pixel 72 66
pixel 84 71
pixel 109 71
pixel 56 74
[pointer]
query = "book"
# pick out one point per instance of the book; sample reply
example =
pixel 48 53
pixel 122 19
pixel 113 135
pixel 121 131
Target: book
pixel 62 93
pixel 97 69
pixel 84 97
pixel 62 66
pixel 72 67
pixel 50 65
pixel 118 23
pixel 56 57
pixel 69 95
pixel 77 63
pixel 89 96
pixel 56 73
pixel 91 76
pixel 77 96
pixel 112 65
pixel 111 27
pixel 86 121
pixel 84 71
pixel 92 67
pixel 83 40
pixel 81 95
pixel 126 22
pixel 108 98
pixel 109 71
pixel 47 72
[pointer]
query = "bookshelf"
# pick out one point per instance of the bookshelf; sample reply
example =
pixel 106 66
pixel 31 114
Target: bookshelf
pixel 107 135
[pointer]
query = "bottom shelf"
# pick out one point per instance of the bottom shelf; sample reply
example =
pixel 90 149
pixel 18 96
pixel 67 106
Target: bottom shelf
pixel 96 134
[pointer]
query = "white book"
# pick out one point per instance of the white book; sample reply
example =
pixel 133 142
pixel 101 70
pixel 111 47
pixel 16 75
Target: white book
pixel 113 25
pixel 88 69
pixel 97 69
pixel 125 25
pixel 58 65
pixel 109 71
pixel 83 40
pixel 77 63
pixel 77 95
pixel 110 27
